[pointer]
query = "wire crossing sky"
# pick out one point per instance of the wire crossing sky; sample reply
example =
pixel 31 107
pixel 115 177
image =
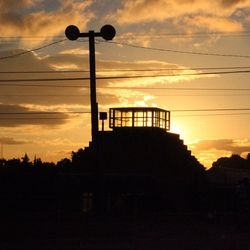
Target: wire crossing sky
pixel 178 51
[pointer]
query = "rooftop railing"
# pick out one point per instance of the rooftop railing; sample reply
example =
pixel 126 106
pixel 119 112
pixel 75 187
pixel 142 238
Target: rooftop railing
pixel 139 117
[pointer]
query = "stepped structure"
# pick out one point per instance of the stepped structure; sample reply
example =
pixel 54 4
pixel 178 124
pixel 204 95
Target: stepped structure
pixel 140 157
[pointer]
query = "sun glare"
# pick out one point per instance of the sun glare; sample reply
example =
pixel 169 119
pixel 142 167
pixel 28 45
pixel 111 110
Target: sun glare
pixel 176 129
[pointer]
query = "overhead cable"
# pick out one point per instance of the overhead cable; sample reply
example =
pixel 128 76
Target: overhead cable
pixel 148 34
pixel 108 95
pixel 209 110
pixel 123 70
pixel 176 51
pixel 217 114
pixel 32 50
pixel 87 112
pixel 121 87
pixel 124 77
pixel 44 112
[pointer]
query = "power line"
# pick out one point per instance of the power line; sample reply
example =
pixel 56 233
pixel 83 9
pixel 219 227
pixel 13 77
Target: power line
pixel 162 35
pixel 87 95
pixel 122 70
pixel 88 112
pixel 246 32
pixel 196 33
pixel 35 95
pixel 201 95
pixel 218 114
pixel 30 37
pixel 46 79
pixel 124 77
pixel 42 85
pixel 49 71
pixel 70 118
pixel 208 110
pixel 170 88
pixel 134 46
pixel 32 50
pixel 174 75
pixel 35 118
pixel 123 87
pixel 44 112
pixel 176 51
pixel 48 95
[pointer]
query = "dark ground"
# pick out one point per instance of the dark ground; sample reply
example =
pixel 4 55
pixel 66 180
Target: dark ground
pixel 176 231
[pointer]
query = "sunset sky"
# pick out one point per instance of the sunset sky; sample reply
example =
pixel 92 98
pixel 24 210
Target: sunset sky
pixel 176 39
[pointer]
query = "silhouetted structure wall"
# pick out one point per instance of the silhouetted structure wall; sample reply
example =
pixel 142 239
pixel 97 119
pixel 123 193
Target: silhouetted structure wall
pixel 140 161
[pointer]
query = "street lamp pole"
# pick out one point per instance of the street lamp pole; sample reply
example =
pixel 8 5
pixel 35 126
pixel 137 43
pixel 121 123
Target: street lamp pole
pixel 94 104
pixel 107 32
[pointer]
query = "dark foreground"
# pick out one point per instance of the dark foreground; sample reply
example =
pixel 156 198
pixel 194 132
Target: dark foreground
pixel 176 231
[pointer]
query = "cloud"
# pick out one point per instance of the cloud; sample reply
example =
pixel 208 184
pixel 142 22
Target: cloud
pixel 141 38
pixel 59 142
pixel 166 73
pixel 62 60
pixel 208 151
pixel 232 145
pixel 11 141
pixel 216 13
pixel 76 51
pixel 10 117
pixel 47 96
pixel 6 5
pixel 57 155
pixel 20 20
pixel 54 96
pixel 213 23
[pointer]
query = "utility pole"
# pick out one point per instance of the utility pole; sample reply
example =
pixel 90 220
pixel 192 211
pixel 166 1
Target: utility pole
pixel 107 32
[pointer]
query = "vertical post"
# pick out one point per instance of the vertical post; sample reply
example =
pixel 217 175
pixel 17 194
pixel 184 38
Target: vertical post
pixel 94 105
pixel 107 32
pixel 102 125
pixel 168 114
pixel 97 198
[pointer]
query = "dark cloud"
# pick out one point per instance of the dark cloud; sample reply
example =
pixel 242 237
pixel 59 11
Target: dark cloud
pixel 10 117
pixel 66 60
pixel 30 18
pixel 81 62
pixel 231 145
pixel 24 62
pixel 46 95
pixel 9 5
pixel 229 3
pixel 173 11
pixel 59 95
pixel 58 98
pixel 11 141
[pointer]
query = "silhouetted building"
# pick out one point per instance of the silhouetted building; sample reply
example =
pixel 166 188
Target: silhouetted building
pixel 139 159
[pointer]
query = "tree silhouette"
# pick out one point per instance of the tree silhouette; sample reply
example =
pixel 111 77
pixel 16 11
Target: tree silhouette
pixel 64 164
pixel 37 162
pixel 248 158
pixel 25 161
pixel 234 161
